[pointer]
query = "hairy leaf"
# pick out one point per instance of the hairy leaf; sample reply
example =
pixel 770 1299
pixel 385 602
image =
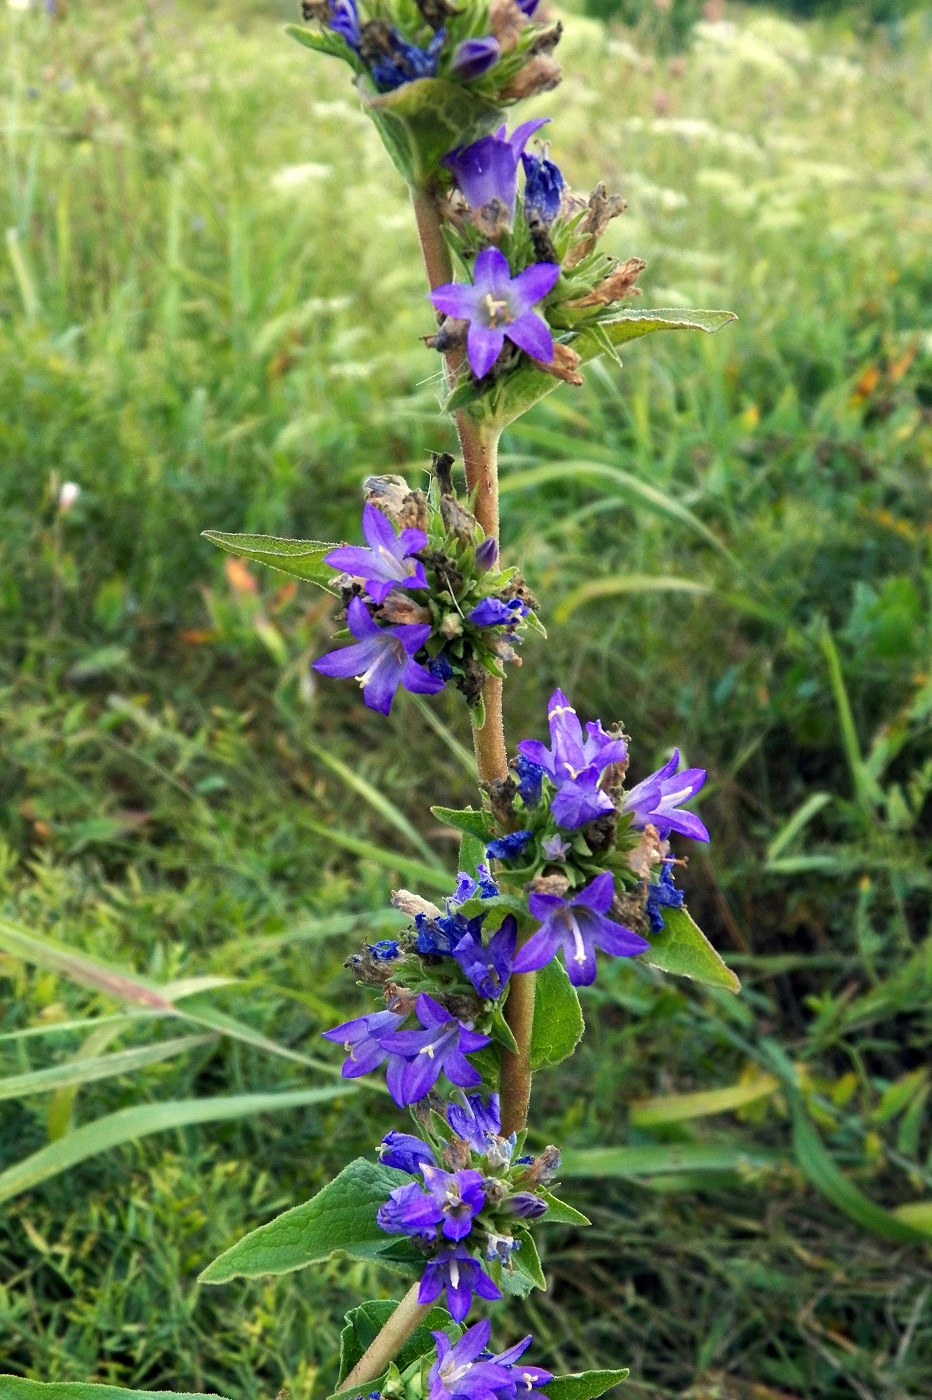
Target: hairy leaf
pixel 468 820
pixel 683 949
pixel 302 559
pixel 422 121
pixel 559 1213
pixel 472 854
pixel 364 1323
pixel 526 1273
pixel 341 1217
pixel 585 1385
pixel 326 42
pixel 16 1388
pixel 558 1019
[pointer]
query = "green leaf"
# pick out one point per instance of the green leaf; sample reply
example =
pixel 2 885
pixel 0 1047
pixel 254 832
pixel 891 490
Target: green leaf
pixel 917 1215
pixel 341 1217
pixel 326 42
pixel 16 1388
pixel 626 584
pixel 679 1108
pixel 82 968
pixel 585 1385
pixel 559 1213
pixel 420 122
pixel 472 854
pixel 527 1272
pixel 558 1019
pixel 77 1071
pixel 364 1323
pixel 662 1159
pixel 468 820
pixel 683 949
pixel 300 558
pixel 520 391
pixel 500 1030
pixel 130 1123
pixel 822 1172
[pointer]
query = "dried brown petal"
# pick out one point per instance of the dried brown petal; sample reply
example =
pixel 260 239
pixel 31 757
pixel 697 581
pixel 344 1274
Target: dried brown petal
pixel 413 904
pixel 615 287
pixel 539 75
pixel 564 365
pixel 505 23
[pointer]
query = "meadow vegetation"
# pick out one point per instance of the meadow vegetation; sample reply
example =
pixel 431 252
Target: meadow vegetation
pixel 210 305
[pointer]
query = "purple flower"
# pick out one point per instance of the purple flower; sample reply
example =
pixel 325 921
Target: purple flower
pixel 461 1369
pixel 487 553
pixel 417 1057
pixel 448 1200
pixel 386 563
pixel 526 1378
pixel 493 612
pixel 543 188
pixel 407 62
pixel 573 764
pixel 526 1205
pixel 488 169
pixel 456 1271
pixel 441 935
pixel 657 798
pixel 473 57
pixel 663 895
pixel 381 660
pixel 528 7
pixel 578 926
pixel 404 1151
pixel 361 1040
pixel 476 1122
pixel 555 848
pixel 530 779
pixel 344 20
pixel 440 667
pixel 488 968
pixel 497 305
pixel 509 847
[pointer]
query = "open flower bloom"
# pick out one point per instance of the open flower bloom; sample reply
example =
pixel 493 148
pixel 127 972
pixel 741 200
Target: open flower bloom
pixel 574 765
pixel 382 659
pixel 477 1122
pixel 461 1369
pixel 578 926
pixel 455 1270
pixel 386 564
pixel 488 168
pixel 497 305
pixel 360 1039
pixel 656 800
pixel 526 1378
pixel 417 1057
pixel 447 1201
pixel 488 968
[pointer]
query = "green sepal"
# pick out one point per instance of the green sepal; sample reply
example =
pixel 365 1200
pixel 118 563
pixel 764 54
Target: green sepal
pixel 468 819
pixel 682 948
pixel 526 1273
pixel 423 121
pixel 499 1029
pixel 558 1019
pixel 559 1213
pixel 363 1324
pixel 339 1219
pixel 585 1385
pixel 325 41
pixel 506 903
pixel 300 558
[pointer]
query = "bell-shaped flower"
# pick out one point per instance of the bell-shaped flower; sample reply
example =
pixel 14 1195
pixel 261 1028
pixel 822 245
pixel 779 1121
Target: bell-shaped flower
pixel 497 306
pixel 387 562
pixel 401 62
pixel 578 926
pixel 543 188
pixel 463 1368
pixel 404 1151
pixel 658 797
pixel 477 1122
pixel 455 1270
pixel 382 659
pixel 448 1202
pixel 488 968
pixel 360 1040
pixel 573 764
pixel 488 168
pixel 417 1057
pixel 494 612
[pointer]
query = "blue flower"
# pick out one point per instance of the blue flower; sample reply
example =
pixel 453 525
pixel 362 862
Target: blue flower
pixel 578 926
pixel 447 1201
pixel 381 659
pixel 440 667
pixel 455 1270
pixel 465 1371
pixel 361 1038
pixel 543 188
pixel 657 798
pixel 487 553
pixel 344 20
pixel 526 1205
pixel 404 1151
pixel 387 563
pixel 508 847
pixel 530 780
pixel 489 968
pixel 386 950
pixel 416 1058
pixel 407 62
pixel 473 57
pixel 493 612
pixel 478 1123
pixel 573 764
pixel 555 848
pixel 488 168
pixel 663 895
pixel 440 935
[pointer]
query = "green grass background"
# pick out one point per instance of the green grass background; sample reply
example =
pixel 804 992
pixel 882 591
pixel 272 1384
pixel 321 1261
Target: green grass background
pixel 210 304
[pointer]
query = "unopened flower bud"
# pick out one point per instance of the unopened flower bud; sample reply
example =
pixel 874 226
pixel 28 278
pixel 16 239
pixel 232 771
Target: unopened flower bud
pixel 473 57
pixel 398 607
pixel 67 496
pixel 451 626
pixel 526 1205
pixel 487 553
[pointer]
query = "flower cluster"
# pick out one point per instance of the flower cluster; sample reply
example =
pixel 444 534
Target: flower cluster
pixel 426 602
pixel 537 279
pixel 465 1202
pixel 466 1368
pixel 498 51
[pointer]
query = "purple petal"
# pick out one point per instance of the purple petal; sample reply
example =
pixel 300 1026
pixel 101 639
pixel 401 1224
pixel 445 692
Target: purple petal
pixel 470 1040
pixel 474 1341
pixel 363 1060
pixel 455 299
pixel 523 133
pixel 533 284
pixel 491 271
pixel 394 1079
pixel 412 540
pixel 473 57
pixel 458 1300
pixel 419 680
pixel 348 661
pixel 411 635
pixel 578 803
pixel 483 347
pixel 580 970
pixel 484 1286
pixel 383 679
pixel 687 824
pixel 543 906
pixel 361 623
pixel 378 530
pixel 459 1071
pixel 509 1357
pixel 621 942
pixel 431 1287
pixel 536 752
pixel 418 1077
pixel 599 893
pixel 531 334
pixel 356 1029
pixel 430 1012
pixel 540 949
pixel 351 559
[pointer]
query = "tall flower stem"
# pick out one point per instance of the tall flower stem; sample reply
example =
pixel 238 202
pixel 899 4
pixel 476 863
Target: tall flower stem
pixel 374 1361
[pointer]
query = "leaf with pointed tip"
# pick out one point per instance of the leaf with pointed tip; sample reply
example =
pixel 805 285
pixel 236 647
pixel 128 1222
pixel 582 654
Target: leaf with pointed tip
pixel 682 948
pixel 521 390
pixel 78 1071
pixel 423 121
pixel 526 1272
pixel 558 1020
pixel 585 1385
pixel 302 559
pixel 325 41
pixel 466 819
pixel 16 1388
pixel 340 1218
pixel 559 1213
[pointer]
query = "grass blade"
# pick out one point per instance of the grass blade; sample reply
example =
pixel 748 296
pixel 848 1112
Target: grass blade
pixel 80 967
pixel 664 1159
pixel 678 1108
pixel 626 583
pixel 77 1071
pixel 460 752
pixel 800 818
pixel 413 869
pixel 128 1124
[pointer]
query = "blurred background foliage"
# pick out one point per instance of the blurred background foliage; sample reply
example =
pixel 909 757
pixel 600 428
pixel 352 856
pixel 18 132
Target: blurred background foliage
pixel 210 304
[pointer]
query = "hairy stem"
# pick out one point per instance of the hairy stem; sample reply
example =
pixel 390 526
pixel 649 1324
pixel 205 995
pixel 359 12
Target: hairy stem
pixel 514 1085
pixel 374 1361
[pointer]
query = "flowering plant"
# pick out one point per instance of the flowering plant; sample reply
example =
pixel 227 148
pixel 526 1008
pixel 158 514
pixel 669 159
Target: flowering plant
pixel 563 863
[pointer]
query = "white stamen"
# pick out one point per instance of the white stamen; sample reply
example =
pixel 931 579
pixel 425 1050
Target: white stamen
pixel 427 1050
pixel 454 1273
pixel 366 676
pixel 580 954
